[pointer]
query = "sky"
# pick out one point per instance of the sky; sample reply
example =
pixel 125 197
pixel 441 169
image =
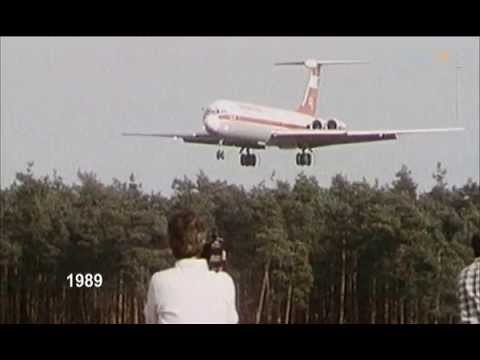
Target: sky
pixel 66 100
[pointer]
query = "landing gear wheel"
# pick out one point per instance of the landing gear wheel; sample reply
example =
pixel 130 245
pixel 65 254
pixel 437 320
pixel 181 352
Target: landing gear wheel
pixel 248 160
pixel 304 159
pixel 300 158
pixel 308 159
pixel 220 155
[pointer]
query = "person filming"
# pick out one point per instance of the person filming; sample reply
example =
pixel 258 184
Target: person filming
pixel 189 292
pixel 468 290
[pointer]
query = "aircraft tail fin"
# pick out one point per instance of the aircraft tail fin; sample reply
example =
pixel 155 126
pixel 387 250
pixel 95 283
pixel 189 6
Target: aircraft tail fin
pixel 309 102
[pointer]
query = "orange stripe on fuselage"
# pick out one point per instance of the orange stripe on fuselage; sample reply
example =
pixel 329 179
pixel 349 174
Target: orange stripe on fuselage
pixel 261 121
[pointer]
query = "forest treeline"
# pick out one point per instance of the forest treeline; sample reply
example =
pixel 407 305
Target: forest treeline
pixel 352 252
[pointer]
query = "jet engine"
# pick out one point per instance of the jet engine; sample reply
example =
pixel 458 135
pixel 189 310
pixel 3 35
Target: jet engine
pixel 318 124
pixel 334 124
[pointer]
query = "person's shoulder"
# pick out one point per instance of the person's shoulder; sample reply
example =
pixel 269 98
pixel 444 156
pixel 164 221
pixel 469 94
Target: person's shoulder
pixel 224 277
pixel 472 269
pixel 163 275
pixel 463 271
pixel 473 265
pixel 467 270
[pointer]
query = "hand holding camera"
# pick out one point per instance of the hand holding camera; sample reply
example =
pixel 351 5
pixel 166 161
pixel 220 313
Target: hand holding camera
pixel 215 254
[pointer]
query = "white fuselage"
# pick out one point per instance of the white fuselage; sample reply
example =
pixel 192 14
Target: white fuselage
pixel 249 122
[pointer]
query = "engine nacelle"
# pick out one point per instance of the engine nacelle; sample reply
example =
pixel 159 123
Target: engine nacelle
pixel 334 124
pixel 318 124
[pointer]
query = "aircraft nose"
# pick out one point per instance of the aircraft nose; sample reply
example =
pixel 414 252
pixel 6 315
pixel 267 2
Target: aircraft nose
pixel 212 123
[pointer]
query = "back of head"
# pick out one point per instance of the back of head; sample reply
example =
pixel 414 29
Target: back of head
pixel 187 234
pixel 476 244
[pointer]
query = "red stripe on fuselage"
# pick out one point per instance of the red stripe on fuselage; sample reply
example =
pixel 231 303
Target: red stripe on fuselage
pixel 261 121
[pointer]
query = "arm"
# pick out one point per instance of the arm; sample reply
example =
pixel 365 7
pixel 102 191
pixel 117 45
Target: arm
pixel 466 297
pixel 460 298
pixel 232 315
pixel 150 306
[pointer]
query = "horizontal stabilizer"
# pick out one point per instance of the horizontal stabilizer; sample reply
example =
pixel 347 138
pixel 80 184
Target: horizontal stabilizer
pixel 313 63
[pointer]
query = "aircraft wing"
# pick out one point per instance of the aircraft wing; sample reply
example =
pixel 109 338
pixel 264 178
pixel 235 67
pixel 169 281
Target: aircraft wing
pixel 200 137
pixel 203 138
pixel 316 138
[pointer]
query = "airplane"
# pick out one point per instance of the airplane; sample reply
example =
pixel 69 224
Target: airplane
pixel 249 126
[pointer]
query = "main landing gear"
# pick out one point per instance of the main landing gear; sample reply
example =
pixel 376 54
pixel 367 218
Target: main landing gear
pixel 247 159
pixel 304 158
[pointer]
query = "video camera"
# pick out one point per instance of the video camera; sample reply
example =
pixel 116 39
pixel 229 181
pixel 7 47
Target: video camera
pixel 215 254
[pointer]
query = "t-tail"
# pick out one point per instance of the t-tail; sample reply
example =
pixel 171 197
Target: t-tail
pixel 309 102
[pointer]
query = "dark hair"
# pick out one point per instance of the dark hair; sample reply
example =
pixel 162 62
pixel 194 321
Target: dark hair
pixel 187 234
pixel 476 244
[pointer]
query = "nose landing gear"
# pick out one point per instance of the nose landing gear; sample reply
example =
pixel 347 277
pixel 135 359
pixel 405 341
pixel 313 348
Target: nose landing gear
pixel 304 158
pixel 220 152
pixel 220 155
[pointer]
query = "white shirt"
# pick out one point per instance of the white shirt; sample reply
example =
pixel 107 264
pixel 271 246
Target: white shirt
pixel 190 293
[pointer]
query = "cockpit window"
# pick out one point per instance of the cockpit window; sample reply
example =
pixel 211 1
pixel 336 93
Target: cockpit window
pixel 207 112
pixel 212 111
